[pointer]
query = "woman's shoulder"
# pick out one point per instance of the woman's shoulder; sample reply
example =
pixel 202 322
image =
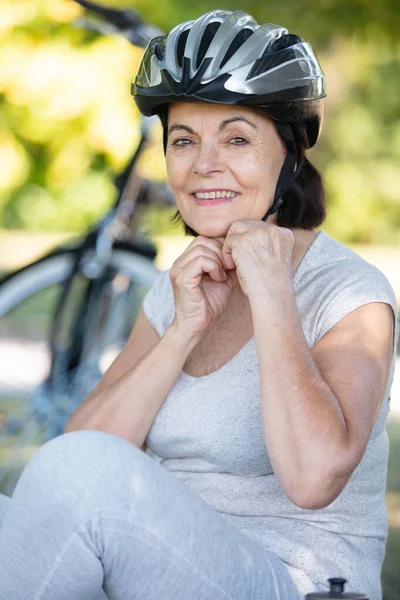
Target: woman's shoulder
pixel 336 280
pixel 333 263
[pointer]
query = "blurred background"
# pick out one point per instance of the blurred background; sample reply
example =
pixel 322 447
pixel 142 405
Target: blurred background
pixel 68 125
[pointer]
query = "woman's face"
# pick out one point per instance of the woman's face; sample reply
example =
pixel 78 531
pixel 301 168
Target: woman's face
pixel 223 164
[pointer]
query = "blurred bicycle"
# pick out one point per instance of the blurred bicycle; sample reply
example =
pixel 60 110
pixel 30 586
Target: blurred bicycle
pixel 65 317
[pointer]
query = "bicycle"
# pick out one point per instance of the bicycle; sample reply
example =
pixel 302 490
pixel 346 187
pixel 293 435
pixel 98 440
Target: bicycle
pixel 69 314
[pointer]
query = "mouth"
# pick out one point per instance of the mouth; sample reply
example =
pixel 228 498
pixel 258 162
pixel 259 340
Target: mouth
pixel 215 196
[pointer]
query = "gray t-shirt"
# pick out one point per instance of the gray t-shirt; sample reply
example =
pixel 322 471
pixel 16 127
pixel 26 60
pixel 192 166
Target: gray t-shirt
pixel 208 432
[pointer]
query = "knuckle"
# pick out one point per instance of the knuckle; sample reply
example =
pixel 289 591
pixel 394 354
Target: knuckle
pixel 198 241
pixel 175 269
pixel 260 233
pixel 204 248
pixel 288 234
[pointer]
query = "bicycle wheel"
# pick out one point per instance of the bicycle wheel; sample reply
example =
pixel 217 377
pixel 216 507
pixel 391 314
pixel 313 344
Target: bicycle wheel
pixel 31 411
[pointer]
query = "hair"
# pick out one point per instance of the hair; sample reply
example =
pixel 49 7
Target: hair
pixel 304 203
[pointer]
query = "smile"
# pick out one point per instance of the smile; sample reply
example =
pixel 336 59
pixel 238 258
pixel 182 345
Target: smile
pixel 215 194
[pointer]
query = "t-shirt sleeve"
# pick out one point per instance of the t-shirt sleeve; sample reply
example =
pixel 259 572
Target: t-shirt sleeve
pixel 355 284
pixel 158 304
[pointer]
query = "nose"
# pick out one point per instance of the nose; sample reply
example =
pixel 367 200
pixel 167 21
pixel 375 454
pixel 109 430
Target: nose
pixel 208 160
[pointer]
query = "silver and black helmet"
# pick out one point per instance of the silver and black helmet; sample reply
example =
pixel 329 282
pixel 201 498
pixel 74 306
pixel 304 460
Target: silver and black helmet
pixel 225 57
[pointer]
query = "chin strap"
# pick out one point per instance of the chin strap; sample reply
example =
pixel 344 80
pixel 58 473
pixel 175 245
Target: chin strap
pixel 290 168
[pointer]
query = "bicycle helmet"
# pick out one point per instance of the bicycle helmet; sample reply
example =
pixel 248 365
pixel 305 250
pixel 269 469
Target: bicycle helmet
pixel 225 57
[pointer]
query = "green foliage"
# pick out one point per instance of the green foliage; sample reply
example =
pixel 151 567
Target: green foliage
pixel 67 119
pixel 361 143
pixel 68 123
pixel 320 21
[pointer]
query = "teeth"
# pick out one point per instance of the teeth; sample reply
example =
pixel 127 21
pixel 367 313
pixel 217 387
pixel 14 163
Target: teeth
pixel 217 194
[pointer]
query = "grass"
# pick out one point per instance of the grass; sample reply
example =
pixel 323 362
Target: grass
pixel 391 571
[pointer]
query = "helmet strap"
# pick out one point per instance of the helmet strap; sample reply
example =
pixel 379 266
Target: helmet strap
pixel 290 167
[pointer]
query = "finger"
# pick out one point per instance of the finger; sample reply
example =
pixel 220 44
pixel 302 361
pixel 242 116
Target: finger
pixel 202 241
pixel 194 271
pixel 240 227
pixel 287 234
pixel 226 266
pixel 227 250
pixel 215 243
pixel 198 250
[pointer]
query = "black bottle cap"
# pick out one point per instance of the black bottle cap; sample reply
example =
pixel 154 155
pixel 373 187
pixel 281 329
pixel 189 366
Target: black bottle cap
pixel 336 591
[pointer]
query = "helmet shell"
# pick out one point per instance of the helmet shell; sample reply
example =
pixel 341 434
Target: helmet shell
pixel 225 57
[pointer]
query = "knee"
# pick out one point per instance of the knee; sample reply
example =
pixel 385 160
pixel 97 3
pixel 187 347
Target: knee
pixel 83 449
pixel 87 471
pixel 4 503
pixel 82 459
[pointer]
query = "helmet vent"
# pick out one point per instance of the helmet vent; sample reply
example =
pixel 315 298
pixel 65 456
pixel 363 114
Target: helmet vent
pixel 180 51
pixel 159 52
pixel 285 41
pixel 235 44
pixel 269 61
pixel 206 40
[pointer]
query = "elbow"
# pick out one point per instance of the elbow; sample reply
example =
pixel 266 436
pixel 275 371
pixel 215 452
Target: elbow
pixel 317 492
pixel 81 418
pixel 317 484
pixel 311 501
pixel 70 426
pixel 76 423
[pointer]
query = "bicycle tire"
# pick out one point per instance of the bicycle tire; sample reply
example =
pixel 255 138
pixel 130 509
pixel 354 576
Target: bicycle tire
pixel 21 283
pixel 23 427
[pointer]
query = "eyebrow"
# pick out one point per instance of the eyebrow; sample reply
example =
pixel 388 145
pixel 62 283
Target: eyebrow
pixel 234 120
pixel 179 126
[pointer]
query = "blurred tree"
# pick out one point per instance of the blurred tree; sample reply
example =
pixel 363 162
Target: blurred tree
pixel 67 121
pixel 320 21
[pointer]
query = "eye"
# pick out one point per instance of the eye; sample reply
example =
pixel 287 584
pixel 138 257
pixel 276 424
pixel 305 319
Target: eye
pixel 181 142
pixel 238 141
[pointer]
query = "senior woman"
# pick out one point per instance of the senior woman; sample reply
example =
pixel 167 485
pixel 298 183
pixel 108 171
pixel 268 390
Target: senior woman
pixel 258 371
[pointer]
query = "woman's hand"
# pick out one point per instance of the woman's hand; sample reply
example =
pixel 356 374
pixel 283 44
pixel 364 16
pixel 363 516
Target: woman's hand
pixel 261 253
pixel 202 286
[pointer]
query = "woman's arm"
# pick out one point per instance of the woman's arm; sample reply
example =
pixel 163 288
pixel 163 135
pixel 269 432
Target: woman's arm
pixel 319 406
pixel 129 395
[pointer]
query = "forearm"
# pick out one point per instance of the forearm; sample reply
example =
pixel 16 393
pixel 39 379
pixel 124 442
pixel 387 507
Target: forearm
pixel 128 406
pixel 303 424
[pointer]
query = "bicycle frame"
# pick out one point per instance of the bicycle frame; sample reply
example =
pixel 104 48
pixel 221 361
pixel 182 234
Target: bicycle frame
pixel 92 256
